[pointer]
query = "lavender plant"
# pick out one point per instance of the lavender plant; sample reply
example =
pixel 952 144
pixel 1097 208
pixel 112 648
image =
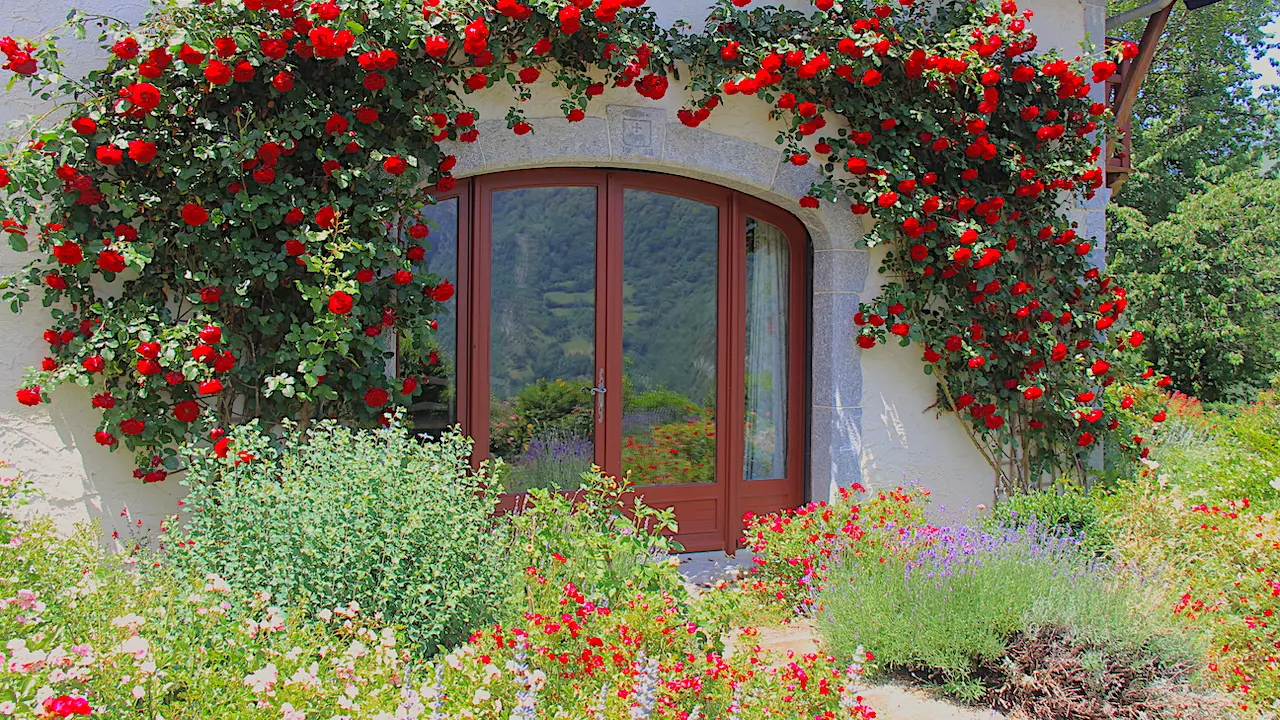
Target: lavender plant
pixel 943 602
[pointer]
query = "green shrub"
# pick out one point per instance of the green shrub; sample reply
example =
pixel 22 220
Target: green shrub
pixel 1067 508
pixel 403 527
pixel 608 550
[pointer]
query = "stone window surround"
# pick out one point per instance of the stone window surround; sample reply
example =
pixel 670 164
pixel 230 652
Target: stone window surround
pixel 645 138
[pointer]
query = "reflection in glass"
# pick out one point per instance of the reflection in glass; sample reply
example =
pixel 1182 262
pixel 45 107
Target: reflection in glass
pixel 542 335
pixel 431 355
pixel 765 447
pixel 669 339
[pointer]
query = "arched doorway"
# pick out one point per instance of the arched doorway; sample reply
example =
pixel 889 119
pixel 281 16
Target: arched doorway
pixel 650 324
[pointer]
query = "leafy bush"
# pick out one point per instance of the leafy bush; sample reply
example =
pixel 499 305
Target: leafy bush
pixel 1068 509
pixel 946 602
pixel 332 515
pixel 593 541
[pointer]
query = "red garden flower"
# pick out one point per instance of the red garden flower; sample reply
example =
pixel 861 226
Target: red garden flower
pixel 104 438
pixel 340 303
pixel 29 396
pixel 210 387
pixel 68 253
pixel 376 397
pixel 217 72
pixel 186 411
pixel 282 81
pixel 395 165
pixel 402 277
pixel 132 426
pixel 110 261
pixel 211 334
pixel 194 215
pixel 442 292
pixel 105 401
pixel 210 295
pixel 144 95
pixel 327 217
pixel 142 151
pixel 109 154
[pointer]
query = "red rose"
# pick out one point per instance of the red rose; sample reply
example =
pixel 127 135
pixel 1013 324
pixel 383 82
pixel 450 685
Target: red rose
pixel 244 71
pixel 871 78
pixel 210 387
pixel 186 411
pixel 866 342
pixel 1032 393
pixel 203 353
pixel 194 215
pixel 374 82
pixel 150 350
pixel 340 303
pixel 417 231
pixel 217 72
pixel 1100 367
pixel 154 476
pixel 104 438
pixel 126 49
pixel 109 154
pixel 416 253
pixel 887 199
pixel 55 281
pixel 226 362
pixel 326 217
pixel 210 295
pixel 335 124
pixel 274 48
pixel 68 253
pixel 442 292
pixel 376 397
pixel 293 217
pixel 142 151
pixel 395 165
pixel 106 401
pixel 282 82
pixel 294 247
pixel 148 367
pixel 409 386
pixel 477 81
pixel 364 275
pixel 1136 338
pixel 93 364
pixel 522 128
pixel 173 377
pixel 367 115
pixel 1085 439
pixel 29 396
pixel 402 277
pixel 84 125
pixel 144 95
pixel 211 334
pixel 132 426
pixel 110 261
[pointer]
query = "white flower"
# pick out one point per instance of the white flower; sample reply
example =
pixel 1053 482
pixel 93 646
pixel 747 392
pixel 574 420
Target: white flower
pixel 136 646
pixel 130 621
pixel 7 707
pixel 264 680
pixel 1275 483
pixel 288 713
pixel 213 583
pixel 138 692
pixel 481 696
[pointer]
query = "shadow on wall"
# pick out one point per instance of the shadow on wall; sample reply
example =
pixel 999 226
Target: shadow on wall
pixel 79 481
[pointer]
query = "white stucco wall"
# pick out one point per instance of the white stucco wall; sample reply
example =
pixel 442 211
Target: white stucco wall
pixel 871 419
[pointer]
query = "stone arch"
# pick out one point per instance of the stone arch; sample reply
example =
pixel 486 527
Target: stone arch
pixel 646 138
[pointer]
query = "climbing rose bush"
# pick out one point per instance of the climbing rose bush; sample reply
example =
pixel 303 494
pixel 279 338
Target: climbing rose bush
pixel 225 224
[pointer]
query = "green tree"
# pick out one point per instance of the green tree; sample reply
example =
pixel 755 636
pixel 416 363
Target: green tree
pixel 1205 283
pixel 1197 118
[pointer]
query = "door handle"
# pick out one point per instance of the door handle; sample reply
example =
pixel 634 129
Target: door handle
pixel 598 391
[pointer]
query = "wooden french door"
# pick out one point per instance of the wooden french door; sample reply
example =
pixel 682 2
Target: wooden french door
pixel 611 318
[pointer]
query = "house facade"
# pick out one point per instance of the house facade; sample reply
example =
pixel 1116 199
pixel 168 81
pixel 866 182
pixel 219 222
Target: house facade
pixel 667 276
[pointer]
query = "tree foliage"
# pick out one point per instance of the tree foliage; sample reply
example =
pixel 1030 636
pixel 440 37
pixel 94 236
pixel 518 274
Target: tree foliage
pixel 1205 284
pixel 1197 118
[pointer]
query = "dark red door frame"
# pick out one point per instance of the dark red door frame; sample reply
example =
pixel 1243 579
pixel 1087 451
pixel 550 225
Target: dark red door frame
pixel 709 513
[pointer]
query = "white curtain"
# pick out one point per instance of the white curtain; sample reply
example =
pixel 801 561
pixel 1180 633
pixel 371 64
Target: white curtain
pixel 765 454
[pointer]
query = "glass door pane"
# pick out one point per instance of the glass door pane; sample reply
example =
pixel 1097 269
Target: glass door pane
pixel 542 335
pixel 668 338
pixel 765 427
pixel 432 355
